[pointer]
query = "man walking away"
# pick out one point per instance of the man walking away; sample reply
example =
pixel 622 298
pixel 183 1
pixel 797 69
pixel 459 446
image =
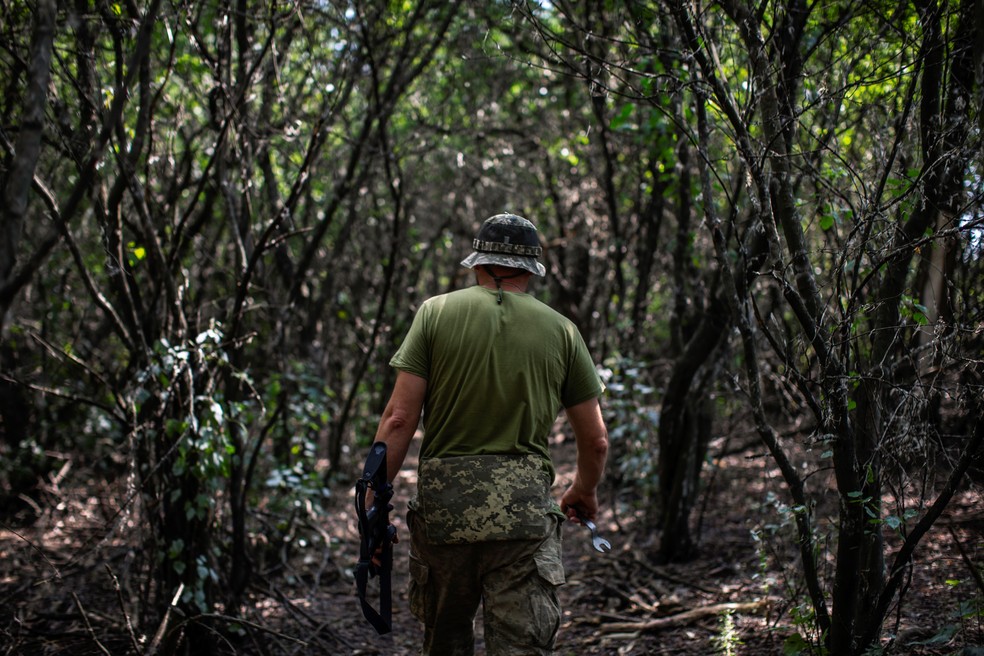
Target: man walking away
pixel 489 368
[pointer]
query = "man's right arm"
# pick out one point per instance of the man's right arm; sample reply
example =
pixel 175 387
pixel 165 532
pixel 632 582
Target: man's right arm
pixel 591 438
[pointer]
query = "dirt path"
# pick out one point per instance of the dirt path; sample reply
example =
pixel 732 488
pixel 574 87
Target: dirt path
pixel 58 578
pixel 607 598
pixel 737 597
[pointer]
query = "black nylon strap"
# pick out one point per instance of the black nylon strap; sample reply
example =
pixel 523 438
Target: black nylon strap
pixel 377 539
pixel 380 620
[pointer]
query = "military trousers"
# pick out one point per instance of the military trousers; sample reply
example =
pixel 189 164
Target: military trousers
pixel 514 581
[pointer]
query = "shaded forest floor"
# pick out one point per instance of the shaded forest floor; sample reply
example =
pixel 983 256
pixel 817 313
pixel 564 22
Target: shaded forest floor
pixel 740 595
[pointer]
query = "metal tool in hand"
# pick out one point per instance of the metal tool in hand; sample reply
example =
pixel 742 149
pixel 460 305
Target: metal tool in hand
pixel 600 543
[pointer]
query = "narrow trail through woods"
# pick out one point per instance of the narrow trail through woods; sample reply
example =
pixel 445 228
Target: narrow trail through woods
pixel 59 578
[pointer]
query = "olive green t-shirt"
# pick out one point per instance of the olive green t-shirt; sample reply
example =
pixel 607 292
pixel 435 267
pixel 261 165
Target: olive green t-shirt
pixel 497 374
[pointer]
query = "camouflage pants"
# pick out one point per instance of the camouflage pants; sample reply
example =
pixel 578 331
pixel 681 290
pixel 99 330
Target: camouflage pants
pixel 515 581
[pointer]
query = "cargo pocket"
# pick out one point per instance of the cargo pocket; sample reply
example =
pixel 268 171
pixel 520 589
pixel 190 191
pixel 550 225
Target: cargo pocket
pixel 544 604
pixel 550 568
pixel 417 593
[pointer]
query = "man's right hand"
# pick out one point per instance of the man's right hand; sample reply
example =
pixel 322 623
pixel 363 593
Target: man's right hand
pixel 586 502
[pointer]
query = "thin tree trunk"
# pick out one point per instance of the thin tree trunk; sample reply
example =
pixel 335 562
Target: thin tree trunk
pixel 27 149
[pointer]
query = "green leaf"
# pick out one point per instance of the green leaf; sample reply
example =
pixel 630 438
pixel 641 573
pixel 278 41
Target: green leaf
pixel 175 427
pixel 623 116
pixel 177 546
pixel 795 645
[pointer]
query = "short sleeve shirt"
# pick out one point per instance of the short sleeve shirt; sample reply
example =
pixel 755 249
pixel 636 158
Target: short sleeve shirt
pixel 497 374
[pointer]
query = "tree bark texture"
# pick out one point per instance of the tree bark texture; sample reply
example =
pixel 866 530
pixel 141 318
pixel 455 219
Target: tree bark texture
pixel 27 149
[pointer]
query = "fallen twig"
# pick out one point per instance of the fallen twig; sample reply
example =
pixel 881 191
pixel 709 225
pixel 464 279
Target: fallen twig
pixel 318 626
pixel 655 571
pixel 632 599
pixel 973 569
pixel 88 625
pixel 156 642
pixel 126 616
pixel 252 625
pixel 684 618
pixel 35 547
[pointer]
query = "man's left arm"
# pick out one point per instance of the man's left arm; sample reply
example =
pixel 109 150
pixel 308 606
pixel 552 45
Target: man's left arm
pixel 400 419
pixel 396 429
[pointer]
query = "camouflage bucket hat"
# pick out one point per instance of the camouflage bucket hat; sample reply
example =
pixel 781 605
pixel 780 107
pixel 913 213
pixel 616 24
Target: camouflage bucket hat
pixel 507 240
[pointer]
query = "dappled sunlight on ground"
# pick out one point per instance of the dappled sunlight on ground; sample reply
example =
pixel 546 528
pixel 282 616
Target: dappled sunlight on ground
pixel 60 575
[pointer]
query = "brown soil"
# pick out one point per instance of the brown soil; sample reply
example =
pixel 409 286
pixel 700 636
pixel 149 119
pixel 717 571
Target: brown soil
pixel 739 595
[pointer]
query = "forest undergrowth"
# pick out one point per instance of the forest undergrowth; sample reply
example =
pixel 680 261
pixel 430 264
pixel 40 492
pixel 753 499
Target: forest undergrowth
pixel 69 583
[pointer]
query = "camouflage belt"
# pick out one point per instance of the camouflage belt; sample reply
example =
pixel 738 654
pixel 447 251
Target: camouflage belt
pixel 484 498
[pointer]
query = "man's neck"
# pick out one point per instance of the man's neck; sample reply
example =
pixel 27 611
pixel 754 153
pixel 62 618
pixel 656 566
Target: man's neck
pixel 507 286
pixel 516 283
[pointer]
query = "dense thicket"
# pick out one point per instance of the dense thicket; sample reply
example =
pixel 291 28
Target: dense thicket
pixel 219 217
